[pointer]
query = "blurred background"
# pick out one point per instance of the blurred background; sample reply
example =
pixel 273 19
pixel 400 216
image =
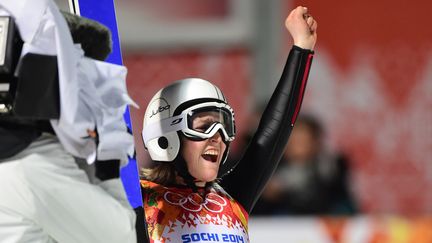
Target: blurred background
pixel 370 91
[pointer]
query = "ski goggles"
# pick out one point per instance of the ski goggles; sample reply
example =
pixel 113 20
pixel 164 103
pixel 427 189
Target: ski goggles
pixel 198 122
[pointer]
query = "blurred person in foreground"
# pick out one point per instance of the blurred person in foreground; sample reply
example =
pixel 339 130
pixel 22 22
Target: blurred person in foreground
pixel 60 103
pixel 310 180
pixel 191 194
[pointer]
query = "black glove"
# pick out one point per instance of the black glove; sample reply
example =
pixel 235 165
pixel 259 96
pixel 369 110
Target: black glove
pixel 107 169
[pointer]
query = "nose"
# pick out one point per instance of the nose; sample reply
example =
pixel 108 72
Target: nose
pixel 217 137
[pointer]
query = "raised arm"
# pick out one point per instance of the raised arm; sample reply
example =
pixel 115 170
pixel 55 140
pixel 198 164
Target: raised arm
pixel 246 182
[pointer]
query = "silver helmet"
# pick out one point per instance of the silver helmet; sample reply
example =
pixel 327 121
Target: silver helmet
pixel 172 110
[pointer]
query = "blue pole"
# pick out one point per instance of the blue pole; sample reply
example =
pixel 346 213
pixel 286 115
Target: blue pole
pixel 103 11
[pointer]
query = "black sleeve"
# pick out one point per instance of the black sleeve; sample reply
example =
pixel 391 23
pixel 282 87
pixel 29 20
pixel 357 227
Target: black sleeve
pixel 246 182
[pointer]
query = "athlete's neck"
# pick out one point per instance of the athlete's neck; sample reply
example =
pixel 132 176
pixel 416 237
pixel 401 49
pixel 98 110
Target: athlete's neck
pixel 199 184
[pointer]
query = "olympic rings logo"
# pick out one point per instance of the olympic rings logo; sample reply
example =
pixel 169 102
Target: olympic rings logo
pixel 194 202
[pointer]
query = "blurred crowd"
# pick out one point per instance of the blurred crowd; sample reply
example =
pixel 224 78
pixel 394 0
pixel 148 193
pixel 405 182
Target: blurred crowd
pixel 310 179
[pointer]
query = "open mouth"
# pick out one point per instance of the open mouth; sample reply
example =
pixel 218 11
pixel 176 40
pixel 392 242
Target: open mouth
pixel 210 155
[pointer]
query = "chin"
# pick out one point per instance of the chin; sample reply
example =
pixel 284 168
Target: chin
pixel 208 177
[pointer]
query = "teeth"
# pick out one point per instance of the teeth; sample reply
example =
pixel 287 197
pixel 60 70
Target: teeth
pixel 211 152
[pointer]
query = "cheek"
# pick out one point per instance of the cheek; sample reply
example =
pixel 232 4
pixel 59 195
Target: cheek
pixel 191 151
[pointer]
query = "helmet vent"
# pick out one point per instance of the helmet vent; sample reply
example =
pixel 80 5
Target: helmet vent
pixel 163 142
